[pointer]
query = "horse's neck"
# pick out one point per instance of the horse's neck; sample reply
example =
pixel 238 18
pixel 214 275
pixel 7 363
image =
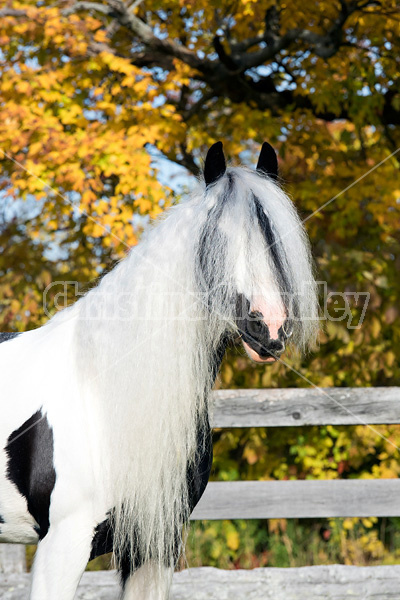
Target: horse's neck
pixel 218 356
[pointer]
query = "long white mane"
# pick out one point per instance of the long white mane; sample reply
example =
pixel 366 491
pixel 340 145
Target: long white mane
pixel 146 337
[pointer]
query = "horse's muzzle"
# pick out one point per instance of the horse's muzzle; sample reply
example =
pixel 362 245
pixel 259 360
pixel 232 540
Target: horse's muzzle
pixel 264 354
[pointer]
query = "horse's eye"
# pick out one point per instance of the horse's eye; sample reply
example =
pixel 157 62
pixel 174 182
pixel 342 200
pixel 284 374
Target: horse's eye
pixel 256 317
pixel 287 328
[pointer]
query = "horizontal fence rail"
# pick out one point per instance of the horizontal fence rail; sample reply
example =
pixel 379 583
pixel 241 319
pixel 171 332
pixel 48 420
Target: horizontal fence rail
pixel 300 499
pixel 304 406
pixel 328 582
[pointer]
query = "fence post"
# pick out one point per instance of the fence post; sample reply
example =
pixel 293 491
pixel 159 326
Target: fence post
pixel 12 559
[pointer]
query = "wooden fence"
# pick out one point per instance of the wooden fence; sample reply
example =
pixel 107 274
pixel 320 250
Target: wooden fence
pixel 275 499
pixel 287 499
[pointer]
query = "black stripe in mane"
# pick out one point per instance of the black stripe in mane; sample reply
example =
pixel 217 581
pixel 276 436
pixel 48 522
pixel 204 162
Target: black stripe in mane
pixel 207 238
pixel 275 247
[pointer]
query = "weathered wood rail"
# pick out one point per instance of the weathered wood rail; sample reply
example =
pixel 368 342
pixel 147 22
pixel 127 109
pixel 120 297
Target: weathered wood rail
pixel 331 582
pixel 273 499
pixel 305 406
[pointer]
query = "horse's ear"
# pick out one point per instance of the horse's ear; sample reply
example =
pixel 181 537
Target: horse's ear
pixel 215 165
pixel 268 161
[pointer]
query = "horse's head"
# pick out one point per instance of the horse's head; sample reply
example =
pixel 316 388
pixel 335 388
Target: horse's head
pixel 263 328
pixel 254 257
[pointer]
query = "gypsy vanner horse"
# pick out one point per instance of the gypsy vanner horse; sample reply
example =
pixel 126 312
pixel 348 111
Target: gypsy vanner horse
pixel 104 432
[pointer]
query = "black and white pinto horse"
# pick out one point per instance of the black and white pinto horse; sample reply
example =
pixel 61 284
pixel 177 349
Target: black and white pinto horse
pixel 105 441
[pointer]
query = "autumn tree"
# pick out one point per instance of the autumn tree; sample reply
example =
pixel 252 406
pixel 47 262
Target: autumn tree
pixel 92 92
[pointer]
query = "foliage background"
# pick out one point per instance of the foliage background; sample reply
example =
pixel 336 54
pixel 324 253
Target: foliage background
pixel 94 95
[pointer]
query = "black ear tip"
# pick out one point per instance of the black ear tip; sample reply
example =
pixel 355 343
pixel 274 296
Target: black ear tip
pixel 266 147
pixel 268 161
pixel 214 166
pixel 215 150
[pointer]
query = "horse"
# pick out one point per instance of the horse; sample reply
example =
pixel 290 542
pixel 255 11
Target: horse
pixel 105 432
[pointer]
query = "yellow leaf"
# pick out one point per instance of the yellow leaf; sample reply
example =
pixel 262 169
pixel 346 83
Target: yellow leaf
pixel 232 540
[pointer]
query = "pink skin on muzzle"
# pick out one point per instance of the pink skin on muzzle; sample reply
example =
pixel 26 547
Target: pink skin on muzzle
pixel 274 318
pixel 256 357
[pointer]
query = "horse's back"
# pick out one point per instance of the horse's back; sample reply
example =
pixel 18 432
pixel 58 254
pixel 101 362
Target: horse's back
pixel 20 396
pixel 41 435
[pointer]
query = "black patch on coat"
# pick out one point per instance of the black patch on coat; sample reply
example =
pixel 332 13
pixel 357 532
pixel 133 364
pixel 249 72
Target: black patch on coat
pixel 30 466
pixel 8 335
pixel 1 519
pixel 102 541
pixel 199 473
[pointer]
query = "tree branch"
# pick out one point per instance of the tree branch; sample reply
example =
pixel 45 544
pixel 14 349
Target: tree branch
pixel 147 37
pixel 197 107
pixel 102 8
pixel 186 159
pixel 225 58
pixel 119 11
pixel 227 76
pixel 324 46
pixel 12 12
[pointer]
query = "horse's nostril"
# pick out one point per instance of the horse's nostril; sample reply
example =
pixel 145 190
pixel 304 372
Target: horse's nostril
pixel 272 348
pixel 275 347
